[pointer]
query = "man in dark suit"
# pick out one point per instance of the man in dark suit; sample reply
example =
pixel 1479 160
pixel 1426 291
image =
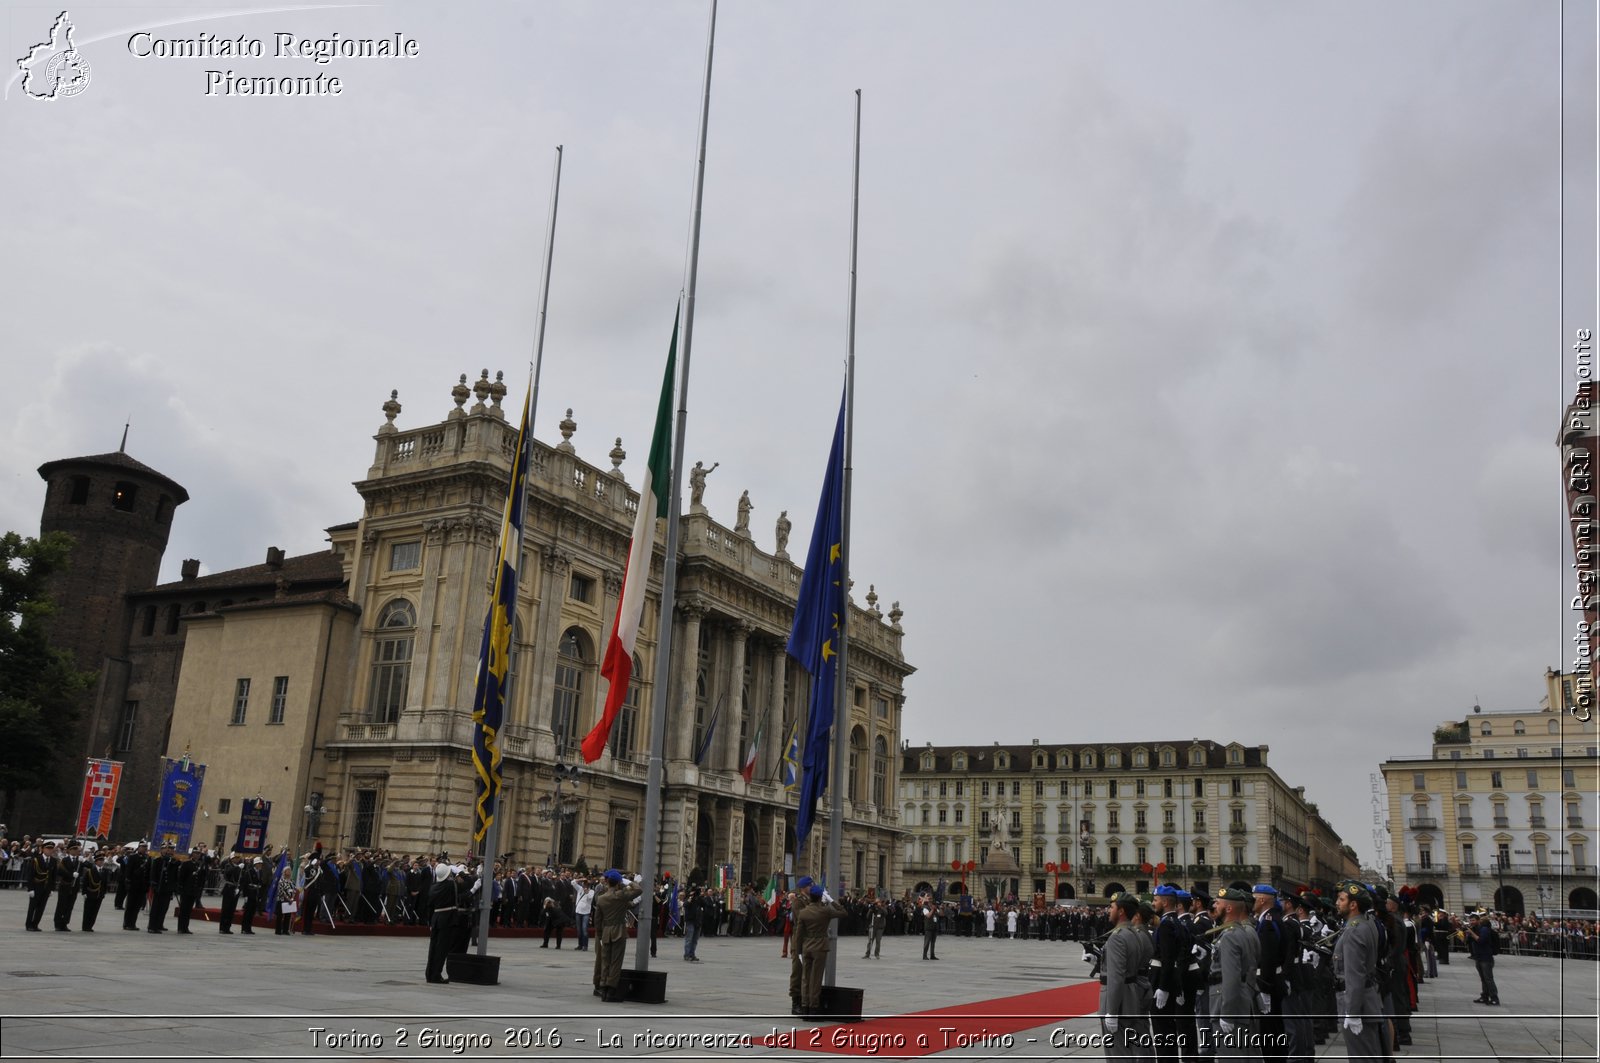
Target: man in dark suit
pixel 67 871
pixel 135 885
pixel 95 885
pixel 232 873
pixel 252 887
pixel 163 884
pixel 39 872
pixel 191 880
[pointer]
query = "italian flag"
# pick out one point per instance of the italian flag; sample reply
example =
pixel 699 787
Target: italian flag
pixel 749 768
pixel 771 898
pixel 618 664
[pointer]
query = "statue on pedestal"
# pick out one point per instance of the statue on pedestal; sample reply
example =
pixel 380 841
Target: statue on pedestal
pixel 783 533
pixel 742 525
pixel 697 484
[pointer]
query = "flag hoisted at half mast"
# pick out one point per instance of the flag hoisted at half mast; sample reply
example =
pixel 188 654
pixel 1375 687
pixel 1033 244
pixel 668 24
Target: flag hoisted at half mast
pixel 653 499
pixel 494 659
pixel 817 617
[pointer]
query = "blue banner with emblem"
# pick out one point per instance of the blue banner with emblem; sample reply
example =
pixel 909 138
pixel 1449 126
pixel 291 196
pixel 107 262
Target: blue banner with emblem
pixel 253 825
pixel 180 796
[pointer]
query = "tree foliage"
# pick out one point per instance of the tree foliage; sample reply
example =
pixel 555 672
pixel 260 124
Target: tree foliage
pixel 40 686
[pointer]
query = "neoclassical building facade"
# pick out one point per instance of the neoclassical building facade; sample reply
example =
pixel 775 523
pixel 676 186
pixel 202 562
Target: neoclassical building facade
pixel 382 744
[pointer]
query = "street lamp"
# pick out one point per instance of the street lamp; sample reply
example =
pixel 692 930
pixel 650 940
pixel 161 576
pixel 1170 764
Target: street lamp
pixel 314 811
pixel 560 811
pixel 1086 847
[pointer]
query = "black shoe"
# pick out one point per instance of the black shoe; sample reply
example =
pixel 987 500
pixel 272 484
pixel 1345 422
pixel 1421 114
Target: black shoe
pixel 32 928
pixel 545 945
pixel 597 991
pixel 87 929
pixel 64 929
pixel 250 932
pixel 224 930
pixel 1479 1000
pixel 933 957
pixel 1494 1003
pixel 186 931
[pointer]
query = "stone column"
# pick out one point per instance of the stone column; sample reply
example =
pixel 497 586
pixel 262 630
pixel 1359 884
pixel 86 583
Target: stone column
pixel 777 734
pixel 733 749
pixel 680 744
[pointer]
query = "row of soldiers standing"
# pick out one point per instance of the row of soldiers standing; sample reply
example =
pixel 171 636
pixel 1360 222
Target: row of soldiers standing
pixel 1247 975
pixel 134 878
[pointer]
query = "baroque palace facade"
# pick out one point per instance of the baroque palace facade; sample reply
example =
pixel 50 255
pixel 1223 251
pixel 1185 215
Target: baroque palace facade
pixel 1501 813
pixel 1083 822
pixel 338 685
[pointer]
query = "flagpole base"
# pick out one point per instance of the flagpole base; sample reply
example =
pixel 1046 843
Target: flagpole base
pixel 841 1003
pixel 472 969
pixel 643 987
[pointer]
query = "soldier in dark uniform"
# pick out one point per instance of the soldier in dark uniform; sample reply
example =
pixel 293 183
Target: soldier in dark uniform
pixel 1172 1018
pixel 163 884
pixel 318 888
pixel 94 889
pixel 232 873
pixel 1298 1004
pixel 611 909
pixel 191 878
pixel 1200 926
pixel 445 904
pixel 67 871
pixel 39 872
pixel 250 890
pixel 1273 954
pixel 134 885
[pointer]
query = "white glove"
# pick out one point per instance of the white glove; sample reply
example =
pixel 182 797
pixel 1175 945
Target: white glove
pixel 1180 1000
pixel 1161 998
pixel 637 879
pixel 1111 1023
pixel 1198 952
pixel 1225 1026
pixel 1265 1002
pixel 827 898
pixel 1353 1024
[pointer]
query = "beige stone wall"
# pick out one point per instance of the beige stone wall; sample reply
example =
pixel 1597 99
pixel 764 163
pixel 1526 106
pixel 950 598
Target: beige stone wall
pixel 305 643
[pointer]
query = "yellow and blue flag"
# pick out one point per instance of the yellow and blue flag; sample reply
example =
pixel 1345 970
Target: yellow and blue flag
pixel 494 660
pixel 818 616
pixel 789 771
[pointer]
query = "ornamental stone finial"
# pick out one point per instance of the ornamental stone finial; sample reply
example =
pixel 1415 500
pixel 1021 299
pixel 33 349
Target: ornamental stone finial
pixel 618 455
pixel 568 426
pixel 391 410
pixel 459 393
pixel 497 391
pixel 895 613
pixel 480 388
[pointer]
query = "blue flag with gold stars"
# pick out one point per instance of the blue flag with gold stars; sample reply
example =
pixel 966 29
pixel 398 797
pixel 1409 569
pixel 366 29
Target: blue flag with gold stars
pixel 494 659
pixel 814 640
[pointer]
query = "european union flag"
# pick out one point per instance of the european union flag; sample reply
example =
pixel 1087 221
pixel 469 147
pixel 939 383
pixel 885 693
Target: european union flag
pixel 489 699
pixel 817 618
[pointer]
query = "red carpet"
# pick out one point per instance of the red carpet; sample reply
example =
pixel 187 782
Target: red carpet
pixel 983 1023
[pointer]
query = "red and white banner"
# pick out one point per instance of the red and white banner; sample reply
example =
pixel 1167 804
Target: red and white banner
pixel 100 784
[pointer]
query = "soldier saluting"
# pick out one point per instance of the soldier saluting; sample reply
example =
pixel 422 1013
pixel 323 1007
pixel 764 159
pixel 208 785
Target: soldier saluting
pixel 66 875
pixel 94 883
pixel 39 871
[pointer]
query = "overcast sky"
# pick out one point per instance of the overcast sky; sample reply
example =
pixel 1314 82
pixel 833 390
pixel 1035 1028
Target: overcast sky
pixel 1210 356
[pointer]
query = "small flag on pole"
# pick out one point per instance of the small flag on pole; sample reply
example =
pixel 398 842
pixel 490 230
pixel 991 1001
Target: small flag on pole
pixel 790 775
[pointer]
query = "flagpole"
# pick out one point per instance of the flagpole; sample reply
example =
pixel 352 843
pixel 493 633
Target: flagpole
pixel 650 853
pixel 491 838
pixel 841 702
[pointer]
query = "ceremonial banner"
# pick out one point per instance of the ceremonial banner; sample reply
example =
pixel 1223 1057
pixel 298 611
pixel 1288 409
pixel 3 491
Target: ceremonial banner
pixel 100 785
pixel 253 825
pixel 180 796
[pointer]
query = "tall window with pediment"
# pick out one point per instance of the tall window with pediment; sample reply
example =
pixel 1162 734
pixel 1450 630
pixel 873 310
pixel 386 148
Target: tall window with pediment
pixel 572 666
pixel 624 732
pixel 391 660
pixel 880 771
pixel 858 750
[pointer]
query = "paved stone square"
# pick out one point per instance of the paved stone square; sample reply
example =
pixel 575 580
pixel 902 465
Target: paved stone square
pixel 119 995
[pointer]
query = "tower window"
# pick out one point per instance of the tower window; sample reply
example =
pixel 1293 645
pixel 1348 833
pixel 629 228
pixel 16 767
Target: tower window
pixel 79 488
pixel 124 495
pixel 163 509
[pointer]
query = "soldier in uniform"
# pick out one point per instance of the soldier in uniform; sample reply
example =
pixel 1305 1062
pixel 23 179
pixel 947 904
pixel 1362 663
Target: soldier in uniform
pixel 1172 1018
pixel 66 875
pixel 163 884
pixel 611 912
pixel 445 902
pixel 1270 981
pixel 930 928
pixel 39 872
pixel 811 941
pixel 250 888
pixel 94 883
pixel 1234 970
pixel 1124 980
pixel 232 872
pixel 135 880
pixel 191 879
pixel 797 904
pixel 1200 926
pixel 1299 1004
pixel 1355 967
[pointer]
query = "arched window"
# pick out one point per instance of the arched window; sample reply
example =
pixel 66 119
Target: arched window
pixel 880 771
pixel 624 732
pixel 572 662
pixel 701 711
pixel 391 661
pixel 1519 728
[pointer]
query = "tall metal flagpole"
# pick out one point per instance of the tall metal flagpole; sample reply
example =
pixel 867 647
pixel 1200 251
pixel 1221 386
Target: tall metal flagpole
pixel 838 785
pixel 650 856
pixel 491 838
